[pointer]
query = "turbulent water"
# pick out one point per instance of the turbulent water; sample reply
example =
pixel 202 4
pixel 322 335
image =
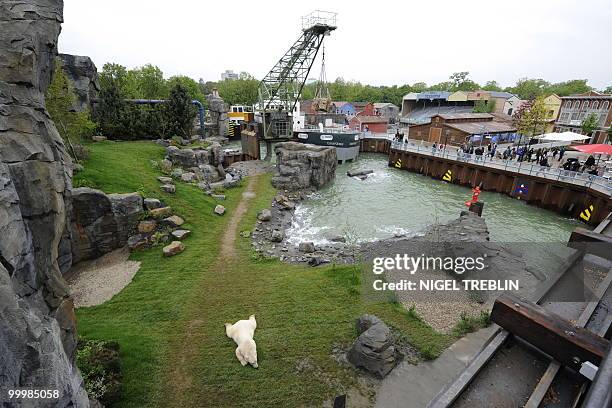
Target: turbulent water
pixel 394 201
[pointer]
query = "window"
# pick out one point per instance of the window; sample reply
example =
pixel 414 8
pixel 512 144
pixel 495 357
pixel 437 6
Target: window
pixel 281 128
pixel 510 112
pixel 605 105
pixel 595 105
pixel 585 104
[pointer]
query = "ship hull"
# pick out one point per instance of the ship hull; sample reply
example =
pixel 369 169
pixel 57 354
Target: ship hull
pixel 346 143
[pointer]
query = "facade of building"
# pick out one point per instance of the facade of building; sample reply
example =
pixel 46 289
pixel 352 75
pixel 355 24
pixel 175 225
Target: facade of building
pixel 460 128
pixel 386 110
pixel 576 108
pixel 364 108
pixel 553 106
pixel 344 108
pixel 229 74
pixel 369 123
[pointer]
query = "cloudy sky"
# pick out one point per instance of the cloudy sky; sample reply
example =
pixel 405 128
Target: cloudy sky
pixel 379 43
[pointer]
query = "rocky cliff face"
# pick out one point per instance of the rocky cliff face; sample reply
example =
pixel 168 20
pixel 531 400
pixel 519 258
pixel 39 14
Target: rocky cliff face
pixel 303 166
pixel 37 322
pixel 82 73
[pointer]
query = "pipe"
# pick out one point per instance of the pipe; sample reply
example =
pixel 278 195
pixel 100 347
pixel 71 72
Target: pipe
pixel 200 114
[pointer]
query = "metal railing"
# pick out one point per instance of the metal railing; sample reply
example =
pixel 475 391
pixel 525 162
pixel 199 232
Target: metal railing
pixel 599 183
pixel 319 17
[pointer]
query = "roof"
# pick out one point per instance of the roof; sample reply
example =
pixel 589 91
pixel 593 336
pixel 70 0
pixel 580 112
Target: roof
pixel 360 104
pixel 371 119
pixel 482 127
pixel 498 94
pixel 589 95
pixel 340 104
pixel 433 95
pixel 470 115
pixel 379 105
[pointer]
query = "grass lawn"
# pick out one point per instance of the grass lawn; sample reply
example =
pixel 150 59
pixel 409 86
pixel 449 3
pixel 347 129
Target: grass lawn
pixel 169 320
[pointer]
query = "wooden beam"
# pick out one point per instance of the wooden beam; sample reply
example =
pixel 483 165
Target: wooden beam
pixel 591 242
pixel 566 343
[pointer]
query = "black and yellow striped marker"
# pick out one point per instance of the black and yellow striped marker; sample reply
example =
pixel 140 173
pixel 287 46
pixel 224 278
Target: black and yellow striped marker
pixel 586 214
pixel 398 163
pixel 231 130
pixel 448 176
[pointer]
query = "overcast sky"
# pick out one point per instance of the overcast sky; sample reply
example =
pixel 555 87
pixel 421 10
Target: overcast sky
pixel 377 42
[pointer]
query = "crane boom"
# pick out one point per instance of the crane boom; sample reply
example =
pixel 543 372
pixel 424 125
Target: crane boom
pixel 280 89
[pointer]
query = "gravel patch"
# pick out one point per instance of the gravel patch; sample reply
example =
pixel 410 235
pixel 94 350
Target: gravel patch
pixel 94 282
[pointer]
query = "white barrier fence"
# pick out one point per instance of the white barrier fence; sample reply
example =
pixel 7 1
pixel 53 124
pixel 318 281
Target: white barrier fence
pixel 601 184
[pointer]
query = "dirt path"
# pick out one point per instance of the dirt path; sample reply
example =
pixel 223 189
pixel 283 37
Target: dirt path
pixel 185 348
pixel 228 249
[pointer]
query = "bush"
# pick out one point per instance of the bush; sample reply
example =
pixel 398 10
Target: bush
pixel 101 370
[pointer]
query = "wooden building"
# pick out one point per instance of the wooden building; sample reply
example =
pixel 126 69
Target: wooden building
pixel 457 129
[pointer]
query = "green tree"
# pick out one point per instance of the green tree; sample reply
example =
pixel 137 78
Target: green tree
pixel 110 110
pixel 482 106
pixel 460 82
pixel 492 86
pixel 179 111
pixel 241 91
pixel 59 100
pixel 574 86
pixel 530 118
pixel 190 85
pixel 116 75
pixel 526 88
pixel 608 90
pixel 150 82
pixel 589 124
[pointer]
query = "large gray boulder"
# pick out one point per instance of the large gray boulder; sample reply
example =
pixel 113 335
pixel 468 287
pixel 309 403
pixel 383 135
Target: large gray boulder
pixel 217 110
pixel 83 75
pixel 102 223
pixel 37 322
pixel 374 349
pixel 184 158
pixel 301 166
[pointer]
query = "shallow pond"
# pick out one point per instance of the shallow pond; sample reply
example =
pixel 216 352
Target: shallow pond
pixel 394 201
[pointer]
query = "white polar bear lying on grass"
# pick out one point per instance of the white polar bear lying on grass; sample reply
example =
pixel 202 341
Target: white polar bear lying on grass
pixel 242 333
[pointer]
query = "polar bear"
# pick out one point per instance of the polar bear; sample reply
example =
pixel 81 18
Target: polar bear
pixel 242 333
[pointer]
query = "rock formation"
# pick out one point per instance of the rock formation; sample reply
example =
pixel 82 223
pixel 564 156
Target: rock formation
pixel 219 119
pixel 101 223
pixel 82 73
pixel 304 166
pixel 37 324
pixel 374 349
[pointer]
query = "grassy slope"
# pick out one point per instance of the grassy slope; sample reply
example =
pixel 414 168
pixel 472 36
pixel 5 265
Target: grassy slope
pixel 181 303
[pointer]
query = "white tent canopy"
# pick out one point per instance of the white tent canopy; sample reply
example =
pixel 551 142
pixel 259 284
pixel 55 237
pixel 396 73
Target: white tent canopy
pixel 562 137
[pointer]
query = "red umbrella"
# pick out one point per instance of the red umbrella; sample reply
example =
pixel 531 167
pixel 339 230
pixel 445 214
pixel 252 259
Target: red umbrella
pixel 594 148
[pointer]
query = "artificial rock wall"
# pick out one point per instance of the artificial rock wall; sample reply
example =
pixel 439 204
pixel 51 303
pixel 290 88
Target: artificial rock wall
pixel 37 322
pixel 303 166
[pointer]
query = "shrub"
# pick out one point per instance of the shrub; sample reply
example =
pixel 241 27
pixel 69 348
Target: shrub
pixel 101 369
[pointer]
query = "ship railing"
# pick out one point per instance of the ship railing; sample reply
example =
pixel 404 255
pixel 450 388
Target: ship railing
pixel 602 184
pixel 326 130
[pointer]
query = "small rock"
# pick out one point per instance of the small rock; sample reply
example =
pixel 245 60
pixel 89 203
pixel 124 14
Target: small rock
pixel 316 261
pixel 177 173
pixel 98 138
pixel 188 177
pixel 174 221
pixel 181 234
pixel 152 203
pixel 165 180
pixel 159 213
pixel 219 209
pixel 147 226
pixel 218 196
pixel 203 186
pixel 175 247
pixel 264 215
pixel 374 349
pixel 231 183
pixel 364 322
pixel 277 236
pixel 165 166
pixel 137 241
pixel 169 188
pixel 306 247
